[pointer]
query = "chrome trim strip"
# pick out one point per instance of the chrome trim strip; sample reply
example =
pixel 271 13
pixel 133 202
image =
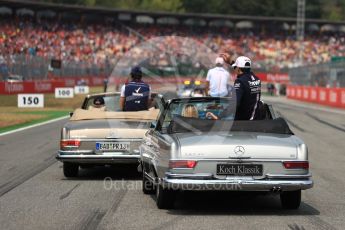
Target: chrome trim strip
pixel 238 159
pixel 191 176
pixel 99 156
pixel 105 139
pixel 74 152
pixel 59 156
pixel 211 176
pixel 237 184
pixel 287 176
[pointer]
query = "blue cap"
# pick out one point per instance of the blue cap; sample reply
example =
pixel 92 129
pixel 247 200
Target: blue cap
pixel 136 71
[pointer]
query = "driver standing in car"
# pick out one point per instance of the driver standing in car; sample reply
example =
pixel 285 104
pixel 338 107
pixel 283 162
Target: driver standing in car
pixel 135 95
pixel 248 90
pixel 217 79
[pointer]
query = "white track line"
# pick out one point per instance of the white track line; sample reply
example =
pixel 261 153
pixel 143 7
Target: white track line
pixel 33 126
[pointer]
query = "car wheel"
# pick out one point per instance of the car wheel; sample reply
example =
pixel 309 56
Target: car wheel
pixel 148 186
pixel 70 169
pixel 291 199
pixel 165 198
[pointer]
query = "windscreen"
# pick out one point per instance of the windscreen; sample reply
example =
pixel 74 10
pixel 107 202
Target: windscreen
pixel 195 116
pixel 201 109
pixel 111 103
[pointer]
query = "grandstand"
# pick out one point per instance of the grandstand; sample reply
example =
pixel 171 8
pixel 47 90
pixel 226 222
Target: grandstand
pixel 90 41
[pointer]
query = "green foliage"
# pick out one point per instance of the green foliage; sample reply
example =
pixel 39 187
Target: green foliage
pixel 333 10
pixel 320 9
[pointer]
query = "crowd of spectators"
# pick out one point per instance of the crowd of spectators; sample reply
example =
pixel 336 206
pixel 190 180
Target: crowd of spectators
pixel 106 43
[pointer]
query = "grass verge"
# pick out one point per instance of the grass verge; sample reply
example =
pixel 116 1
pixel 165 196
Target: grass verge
pixel 12 117
pixel 31 118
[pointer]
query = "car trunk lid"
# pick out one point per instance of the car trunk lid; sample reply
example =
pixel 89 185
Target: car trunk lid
pixel 237 145
pixel 106 129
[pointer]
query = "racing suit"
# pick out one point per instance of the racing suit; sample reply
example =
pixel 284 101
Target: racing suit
pixel 248 93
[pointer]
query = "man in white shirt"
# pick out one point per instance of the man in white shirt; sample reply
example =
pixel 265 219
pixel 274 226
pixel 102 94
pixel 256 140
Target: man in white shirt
pixel 217 79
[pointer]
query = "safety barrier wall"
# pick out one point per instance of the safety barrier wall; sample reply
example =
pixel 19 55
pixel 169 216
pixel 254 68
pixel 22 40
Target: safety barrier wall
pixel 274 77
pixel 48 86
pixel 334 97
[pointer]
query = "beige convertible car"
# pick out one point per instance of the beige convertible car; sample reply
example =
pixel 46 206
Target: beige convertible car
pixel 99 134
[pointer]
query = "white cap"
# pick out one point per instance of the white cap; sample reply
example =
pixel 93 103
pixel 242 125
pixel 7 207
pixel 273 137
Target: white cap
pixel 219 60
pixel 242 62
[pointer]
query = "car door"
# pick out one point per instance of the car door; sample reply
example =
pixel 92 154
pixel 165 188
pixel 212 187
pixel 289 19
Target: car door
pixel 149 148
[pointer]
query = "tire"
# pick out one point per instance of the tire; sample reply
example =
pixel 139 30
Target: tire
pixel 291 199
pixel 70 169
pixel 147 186
pixel 165 198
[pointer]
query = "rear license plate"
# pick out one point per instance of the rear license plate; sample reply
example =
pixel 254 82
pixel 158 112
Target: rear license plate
pixel 112 146
pixel 239 169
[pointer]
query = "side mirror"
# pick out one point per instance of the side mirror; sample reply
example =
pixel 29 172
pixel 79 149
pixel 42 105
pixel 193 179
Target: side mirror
pixel 153 124
pixel 70 114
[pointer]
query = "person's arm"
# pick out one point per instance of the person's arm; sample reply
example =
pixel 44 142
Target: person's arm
pixel 211 115
pixel 122 98
pixel 239 88
pixel 226 57
pixel 149 101
pixel 208 83
pixel 122 103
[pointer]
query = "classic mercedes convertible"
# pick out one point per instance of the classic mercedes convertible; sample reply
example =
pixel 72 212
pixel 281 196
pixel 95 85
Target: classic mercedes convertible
pixel 188 151
pixel 99 134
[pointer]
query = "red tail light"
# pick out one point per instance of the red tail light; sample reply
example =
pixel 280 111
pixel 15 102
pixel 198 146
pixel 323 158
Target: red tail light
pixel 69 143
pixel 296 164
pixel 182 164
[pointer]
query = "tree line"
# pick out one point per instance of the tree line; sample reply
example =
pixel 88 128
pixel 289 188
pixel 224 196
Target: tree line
pixel 317 9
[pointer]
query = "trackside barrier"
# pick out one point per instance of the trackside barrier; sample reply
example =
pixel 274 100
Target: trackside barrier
pixel 30 87
pixel 48 86
pixel 274 77
pixel 334 97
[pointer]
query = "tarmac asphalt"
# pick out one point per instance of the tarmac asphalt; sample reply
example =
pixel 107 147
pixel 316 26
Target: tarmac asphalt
pixel 34 194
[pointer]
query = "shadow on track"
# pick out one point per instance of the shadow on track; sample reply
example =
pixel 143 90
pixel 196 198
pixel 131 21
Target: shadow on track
pixel 115 172
pixel 234 203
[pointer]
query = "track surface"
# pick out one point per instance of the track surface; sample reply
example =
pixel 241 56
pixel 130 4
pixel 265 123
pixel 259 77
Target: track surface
pixel 35 195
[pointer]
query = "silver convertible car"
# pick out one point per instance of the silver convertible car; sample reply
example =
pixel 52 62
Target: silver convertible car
pixel 99 134
pixel 186 150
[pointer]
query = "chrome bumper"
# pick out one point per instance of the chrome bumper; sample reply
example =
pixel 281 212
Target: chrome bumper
pixel 207 182
pixel 88 157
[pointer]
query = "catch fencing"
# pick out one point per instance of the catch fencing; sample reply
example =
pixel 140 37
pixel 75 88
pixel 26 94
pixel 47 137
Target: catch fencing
pixel 330 75
pixel 322 84
pixel 32 68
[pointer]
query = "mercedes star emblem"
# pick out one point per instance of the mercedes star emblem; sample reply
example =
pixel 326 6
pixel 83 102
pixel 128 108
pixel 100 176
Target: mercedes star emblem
pixel 239 150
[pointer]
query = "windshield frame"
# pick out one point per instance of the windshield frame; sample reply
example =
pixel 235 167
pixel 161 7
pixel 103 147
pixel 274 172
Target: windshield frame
pixel 160 127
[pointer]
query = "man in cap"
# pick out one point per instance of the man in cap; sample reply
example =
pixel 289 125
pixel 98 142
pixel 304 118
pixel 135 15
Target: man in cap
pixel 248 90
pixel 135 95
pixel 217 79
pixel 98 104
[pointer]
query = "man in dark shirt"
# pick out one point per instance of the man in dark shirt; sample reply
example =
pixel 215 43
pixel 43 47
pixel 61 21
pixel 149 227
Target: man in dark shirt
pixel 248 90
pixel 135 95
pixel 248 93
